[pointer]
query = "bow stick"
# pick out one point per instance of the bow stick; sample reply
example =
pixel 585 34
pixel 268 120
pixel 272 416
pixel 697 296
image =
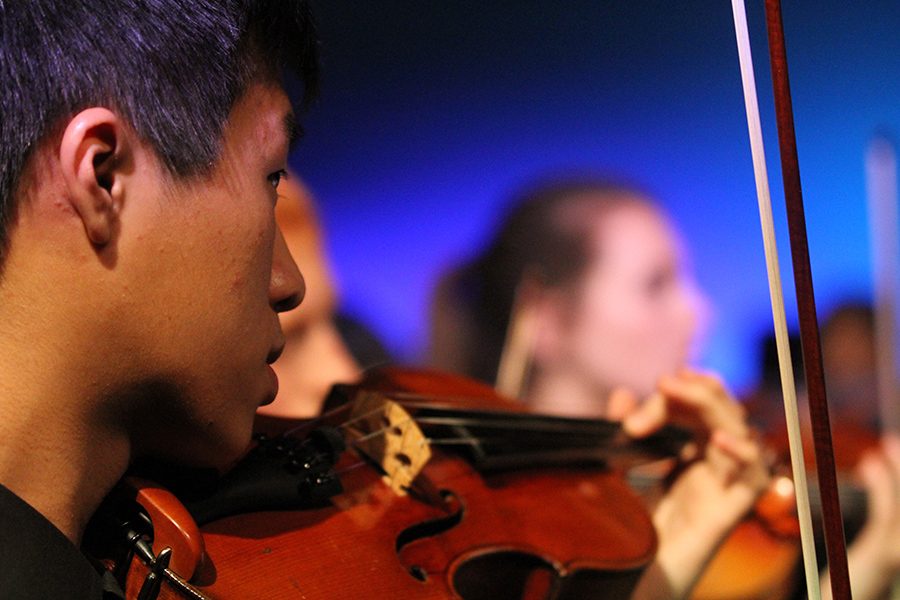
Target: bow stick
pixel 809 332
pixel 881 186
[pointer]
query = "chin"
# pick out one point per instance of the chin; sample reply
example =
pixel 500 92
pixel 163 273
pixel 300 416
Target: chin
pixel 220 447
pixel 232 448
pixel 221 455
pixel 207 428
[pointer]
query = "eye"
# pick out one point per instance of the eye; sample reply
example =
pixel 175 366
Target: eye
pixel 275 178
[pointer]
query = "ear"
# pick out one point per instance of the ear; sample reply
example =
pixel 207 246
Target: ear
pixel 94 148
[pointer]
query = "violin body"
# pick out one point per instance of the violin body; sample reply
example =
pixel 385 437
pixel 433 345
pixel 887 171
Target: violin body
pixel 510 536
pixel 754 563
pixel 569 530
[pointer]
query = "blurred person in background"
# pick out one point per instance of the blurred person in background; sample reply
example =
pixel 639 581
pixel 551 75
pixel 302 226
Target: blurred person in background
pixel 867 459
pixel 315 356
pixel 583 305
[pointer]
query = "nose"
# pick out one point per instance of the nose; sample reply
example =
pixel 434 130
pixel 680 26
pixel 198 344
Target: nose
pixel 286 286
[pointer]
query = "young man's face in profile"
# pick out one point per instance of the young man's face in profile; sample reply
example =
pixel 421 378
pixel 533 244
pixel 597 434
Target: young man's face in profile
pixel 213 268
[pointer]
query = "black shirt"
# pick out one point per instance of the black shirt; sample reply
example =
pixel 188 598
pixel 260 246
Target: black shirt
pixel 38 562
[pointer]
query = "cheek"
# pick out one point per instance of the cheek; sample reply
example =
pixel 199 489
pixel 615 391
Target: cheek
pixel 250 266
pixel 618 318
pixel 607 334
pixel 666 334
pixel 682 318
pixel 237 257
pixel 226 323
pixel 628 341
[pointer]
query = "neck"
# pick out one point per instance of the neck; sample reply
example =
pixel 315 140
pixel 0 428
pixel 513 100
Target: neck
pixel 563 392
pixel 64 431
pixel 64 445
pixel 60 462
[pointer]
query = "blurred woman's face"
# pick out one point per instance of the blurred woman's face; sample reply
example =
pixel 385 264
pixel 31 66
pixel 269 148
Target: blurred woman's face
pixel 636 311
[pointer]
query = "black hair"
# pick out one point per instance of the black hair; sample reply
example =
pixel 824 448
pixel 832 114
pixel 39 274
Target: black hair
pixel 545 236
pixel 173 69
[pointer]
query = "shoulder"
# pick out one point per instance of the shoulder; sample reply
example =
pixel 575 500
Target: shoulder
pixel 37 560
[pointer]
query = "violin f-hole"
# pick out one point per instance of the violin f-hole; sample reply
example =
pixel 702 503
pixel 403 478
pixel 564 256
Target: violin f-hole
pixel 430 528
pixel 434 526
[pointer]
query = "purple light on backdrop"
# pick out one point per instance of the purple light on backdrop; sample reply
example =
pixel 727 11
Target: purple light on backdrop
pixel 431 115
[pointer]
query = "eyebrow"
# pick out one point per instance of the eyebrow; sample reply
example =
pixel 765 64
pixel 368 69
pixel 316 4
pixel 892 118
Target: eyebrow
pixel 293 131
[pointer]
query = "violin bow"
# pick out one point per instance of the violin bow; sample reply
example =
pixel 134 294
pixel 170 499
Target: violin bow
pixel 881 188
pixel 809 330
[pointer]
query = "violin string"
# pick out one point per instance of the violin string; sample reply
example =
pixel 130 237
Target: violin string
pixel 430 399
pixel 347 406
pixel 346 424
pixel 543 423
pixel 374 434
pixel 470 440
pixel 534 453
pixel 589 436
pixel 351 467
pixel 518 423
pixel 332 412
pixel 463 441
pixel 528 423
pixel 466 440
pixel 431 442
pixel 316 420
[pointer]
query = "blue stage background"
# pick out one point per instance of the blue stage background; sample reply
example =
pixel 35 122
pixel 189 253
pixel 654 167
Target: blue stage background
pixel 432 112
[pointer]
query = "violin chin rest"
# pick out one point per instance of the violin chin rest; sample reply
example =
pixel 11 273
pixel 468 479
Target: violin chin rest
pixel 173 526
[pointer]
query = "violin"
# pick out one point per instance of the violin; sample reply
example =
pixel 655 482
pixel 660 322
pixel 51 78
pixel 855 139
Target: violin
pixel 765 544
pixel 411 484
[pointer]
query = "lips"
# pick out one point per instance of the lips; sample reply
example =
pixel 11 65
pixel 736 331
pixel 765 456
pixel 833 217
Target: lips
pixel 274 353
pixel 270 398
pixel 271 357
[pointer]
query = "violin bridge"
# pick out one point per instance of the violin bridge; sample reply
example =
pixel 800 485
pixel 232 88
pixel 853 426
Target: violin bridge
pixel 390 437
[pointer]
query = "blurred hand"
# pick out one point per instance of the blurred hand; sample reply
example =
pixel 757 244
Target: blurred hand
pixel 874 557
pixel 719 479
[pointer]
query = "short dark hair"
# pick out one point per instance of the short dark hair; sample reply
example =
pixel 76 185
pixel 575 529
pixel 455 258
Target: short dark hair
pixel 172 69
